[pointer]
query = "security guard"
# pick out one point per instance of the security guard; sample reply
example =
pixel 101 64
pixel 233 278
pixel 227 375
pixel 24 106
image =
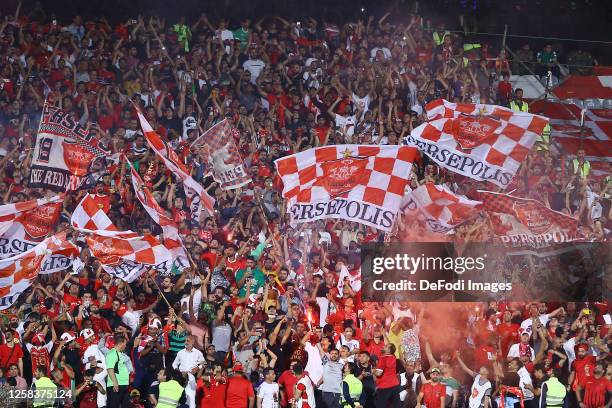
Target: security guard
pixel 553 392
pixel 543 140
pixel 581 166
pixel 440 34
pixel 45 390
pixel 518 104
pixel 352 388
pixel 171 392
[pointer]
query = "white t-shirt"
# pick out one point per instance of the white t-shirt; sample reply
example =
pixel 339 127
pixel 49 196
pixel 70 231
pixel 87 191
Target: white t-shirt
pixel 314 366
pixel 386 52
pixel 101 378
pixel 270 395
pixel 131 319
pixel 254 66
pixel 525 379
pixel 515 351
pixel 478 392
pixel 347 123
pixel 362 103
pixel 526 324
pixel 351 344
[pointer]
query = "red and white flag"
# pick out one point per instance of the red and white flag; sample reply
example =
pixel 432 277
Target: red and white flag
pixel 595 136
pixel 129 257
pixel 527 223
pixel 196 195
pixel 483 142
pixel 64 151
pixel 359 183
pixel 90 214
pixel 441 209
pixel 17 273
pixel 172 240
pixel 217 147
pixel 25 223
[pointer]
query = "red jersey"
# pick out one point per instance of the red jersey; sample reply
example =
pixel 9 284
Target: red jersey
pixel 485 355
pixel 432 394
pixel 212 395
pixel 40 356
pixel 509 335
pixel 374 349
pixel 386 363
pixel 287 380
pixel 9 355
pixel 239 390
pixel 584 368
pixel 595 390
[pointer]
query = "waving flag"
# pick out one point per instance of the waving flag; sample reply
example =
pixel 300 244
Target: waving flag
pixel 172 239
pixel 23 225
pixel 595 137
pixel 64 151
pixel 194 191
pixel 441 209
pixel 90 214
pixel 523 222
pixel 218 147
pixel 483 142
pixel 17 273
pixel 129 257
pixel 358 183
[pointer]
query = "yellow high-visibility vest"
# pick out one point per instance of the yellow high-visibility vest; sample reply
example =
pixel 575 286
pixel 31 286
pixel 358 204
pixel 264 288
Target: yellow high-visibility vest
pixel 169 394
pixel 519 108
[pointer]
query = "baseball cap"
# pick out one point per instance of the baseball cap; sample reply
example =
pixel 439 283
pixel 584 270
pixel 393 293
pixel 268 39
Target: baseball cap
pixel 155 323
pixel 135 393
pixel 435 370
pixel 87 333
pixel 68 337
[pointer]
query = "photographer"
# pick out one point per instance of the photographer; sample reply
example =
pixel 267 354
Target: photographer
pixel 87 392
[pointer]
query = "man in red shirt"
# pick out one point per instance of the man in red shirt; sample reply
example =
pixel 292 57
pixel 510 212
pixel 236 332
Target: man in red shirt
pixel 239 392
pixel 508 332
pixel 432 394
pixel 387 383
pixel 287 381
pixel 596 388
pixel 582 367
pixel 11 352
pixel 211 388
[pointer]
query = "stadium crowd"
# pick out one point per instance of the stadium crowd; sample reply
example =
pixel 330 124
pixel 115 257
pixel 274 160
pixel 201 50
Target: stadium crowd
pixel 261 318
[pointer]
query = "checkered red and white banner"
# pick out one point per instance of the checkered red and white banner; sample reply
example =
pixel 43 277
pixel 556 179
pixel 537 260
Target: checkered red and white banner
pixel 17 273
pixel 172 240
pixel 128 258
pixel 196 195
pixel 90 214
pixel 359 183
pixel 527 223
pixel 217 148
pixel 441 209
pixel 595 137
pixel 483 142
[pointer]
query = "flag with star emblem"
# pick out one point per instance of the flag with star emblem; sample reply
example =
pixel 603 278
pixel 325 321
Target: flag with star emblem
pixel 483 142
pixel 360 183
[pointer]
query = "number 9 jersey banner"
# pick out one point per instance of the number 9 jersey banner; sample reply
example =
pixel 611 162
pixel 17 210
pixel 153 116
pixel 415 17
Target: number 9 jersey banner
pixel 63 153
pixel 360 183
